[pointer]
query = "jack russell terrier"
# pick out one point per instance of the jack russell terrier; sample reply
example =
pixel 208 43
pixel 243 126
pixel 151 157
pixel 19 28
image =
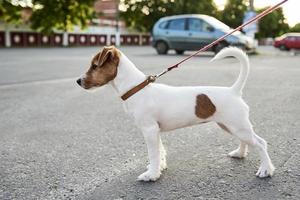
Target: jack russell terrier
pixel 158 108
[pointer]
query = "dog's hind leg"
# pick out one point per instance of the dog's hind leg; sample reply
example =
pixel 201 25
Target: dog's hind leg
pixel 246 134
pixel 266 167
pixel 240 152
pixel 152 139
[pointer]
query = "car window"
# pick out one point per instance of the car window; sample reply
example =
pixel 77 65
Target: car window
pixel 206 27
pixel 199 25
pixel 294 38
pixel 163 25
pixel 217 24
pixel 177 24
pixel 195 24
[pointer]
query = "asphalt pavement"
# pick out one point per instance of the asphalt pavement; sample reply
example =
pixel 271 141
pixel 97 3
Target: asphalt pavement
pixel 58 141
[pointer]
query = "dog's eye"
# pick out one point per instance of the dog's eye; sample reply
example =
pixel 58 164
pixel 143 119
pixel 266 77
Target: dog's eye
pixel 94 66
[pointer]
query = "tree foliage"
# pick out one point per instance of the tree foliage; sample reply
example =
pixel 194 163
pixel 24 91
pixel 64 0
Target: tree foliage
pixel 272 25
pixel 207 7
pixel 296 28
pixel 233 13
pixel 9 13
pixel 60 14
pixel 141 15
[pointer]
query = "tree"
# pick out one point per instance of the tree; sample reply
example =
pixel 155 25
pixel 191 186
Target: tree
pixel 272 25
pixel 53 15
pixel 233 13
pixel 10 13
pixel 296 28
pixel 141 15
pixel 207 7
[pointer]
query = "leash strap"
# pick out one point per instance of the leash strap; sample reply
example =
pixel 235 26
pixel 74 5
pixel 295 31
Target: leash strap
pixel 152 78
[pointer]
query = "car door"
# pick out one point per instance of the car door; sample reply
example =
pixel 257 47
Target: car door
pixel 294 42
pixel 200 33
pixel 291 43
pixel 176 33
pixel 297 42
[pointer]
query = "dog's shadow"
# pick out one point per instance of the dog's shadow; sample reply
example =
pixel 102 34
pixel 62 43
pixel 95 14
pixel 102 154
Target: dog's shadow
pixel 188 181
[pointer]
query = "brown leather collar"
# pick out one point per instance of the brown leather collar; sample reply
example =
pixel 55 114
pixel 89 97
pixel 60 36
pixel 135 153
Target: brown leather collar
pixel 150 79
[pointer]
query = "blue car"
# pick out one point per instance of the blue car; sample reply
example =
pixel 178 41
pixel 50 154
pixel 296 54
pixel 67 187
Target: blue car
pixel 191 32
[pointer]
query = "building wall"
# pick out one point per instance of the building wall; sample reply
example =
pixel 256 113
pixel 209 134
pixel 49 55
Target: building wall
pixel 101 31
pixel 35 39
pixel 109 13
pixel 107 7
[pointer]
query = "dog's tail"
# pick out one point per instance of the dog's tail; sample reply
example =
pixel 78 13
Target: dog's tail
pixel 239 84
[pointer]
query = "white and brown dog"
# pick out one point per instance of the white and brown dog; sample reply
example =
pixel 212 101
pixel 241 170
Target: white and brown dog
pixel 158 108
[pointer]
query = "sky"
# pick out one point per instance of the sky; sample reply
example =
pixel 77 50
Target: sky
pixel 290 8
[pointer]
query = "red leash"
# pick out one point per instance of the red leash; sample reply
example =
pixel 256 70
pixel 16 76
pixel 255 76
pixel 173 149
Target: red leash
pixel 257 17
pixel 151 79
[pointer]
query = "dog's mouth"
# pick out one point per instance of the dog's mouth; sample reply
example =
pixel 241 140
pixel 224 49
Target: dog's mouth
pixel 81 83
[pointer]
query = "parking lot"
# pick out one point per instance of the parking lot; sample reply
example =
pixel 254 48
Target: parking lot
pixel 61 142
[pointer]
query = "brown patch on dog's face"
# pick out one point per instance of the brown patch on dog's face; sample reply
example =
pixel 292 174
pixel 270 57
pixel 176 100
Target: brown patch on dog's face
pixel 204 107
pixel 225 128
pixel 104 68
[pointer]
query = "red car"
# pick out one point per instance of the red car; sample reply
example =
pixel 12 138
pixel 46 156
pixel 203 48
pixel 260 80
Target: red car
pixel 288 41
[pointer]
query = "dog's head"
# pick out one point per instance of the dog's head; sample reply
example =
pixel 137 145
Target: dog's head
pixel 103 68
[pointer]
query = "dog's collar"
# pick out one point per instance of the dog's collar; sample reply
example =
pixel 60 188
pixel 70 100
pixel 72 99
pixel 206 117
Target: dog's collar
pixel 150 79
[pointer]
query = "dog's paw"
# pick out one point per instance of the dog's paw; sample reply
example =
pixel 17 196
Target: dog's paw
pixel 265 170
pixel 149 176
pixel 237 154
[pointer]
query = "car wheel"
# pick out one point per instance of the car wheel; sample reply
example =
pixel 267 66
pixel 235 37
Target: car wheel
pixel 162 48
pixel 179 52
pixel 219 47
pixel 282 47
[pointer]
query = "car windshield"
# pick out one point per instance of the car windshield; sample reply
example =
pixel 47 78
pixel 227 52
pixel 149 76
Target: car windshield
pixel 217 24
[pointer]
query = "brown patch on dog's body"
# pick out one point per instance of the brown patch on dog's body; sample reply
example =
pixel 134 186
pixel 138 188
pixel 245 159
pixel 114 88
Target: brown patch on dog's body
pixel 104 68
pixel 225 128
pixel 204 107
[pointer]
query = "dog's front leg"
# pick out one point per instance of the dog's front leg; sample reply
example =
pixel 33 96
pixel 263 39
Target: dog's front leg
pixel 152 138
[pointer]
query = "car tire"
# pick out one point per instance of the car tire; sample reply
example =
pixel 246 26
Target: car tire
pixel 282 47
pixel 219 47
pixel 162 48
pixel 179 52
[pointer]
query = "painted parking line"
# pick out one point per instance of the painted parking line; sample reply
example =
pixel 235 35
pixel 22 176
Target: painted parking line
pixel 26 83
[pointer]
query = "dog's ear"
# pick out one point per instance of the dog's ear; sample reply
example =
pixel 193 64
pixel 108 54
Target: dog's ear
pixel 107 54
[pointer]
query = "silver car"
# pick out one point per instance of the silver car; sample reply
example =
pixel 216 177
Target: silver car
pixel 191 32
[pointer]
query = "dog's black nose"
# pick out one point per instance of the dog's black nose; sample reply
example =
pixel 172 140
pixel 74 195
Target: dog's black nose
pixel 79 81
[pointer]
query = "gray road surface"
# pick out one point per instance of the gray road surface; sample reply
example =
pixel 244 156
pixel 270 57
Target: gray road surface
pixel 58 141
